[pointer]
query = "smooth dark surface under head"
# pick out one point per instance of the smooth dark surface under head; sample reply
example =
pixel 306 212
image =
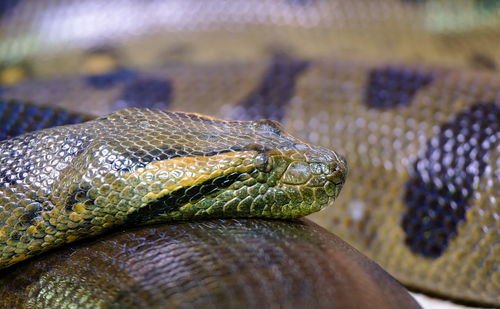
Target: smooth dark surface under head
pixel 238 263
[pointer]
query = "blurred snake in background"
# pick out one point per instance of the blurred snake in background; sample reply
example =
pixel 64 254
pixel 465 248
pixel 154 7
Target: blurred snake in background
pixel 407 91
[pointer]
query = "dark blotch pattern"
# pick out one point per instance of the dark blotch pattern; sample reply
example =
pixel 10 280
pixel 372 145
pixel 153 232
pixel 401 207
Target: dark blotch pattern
pixel 389 87
pixel 270 98
pixel 18 118
pixel 482 61
pixel 108 80
pixel 107 72
pixel 443 177
pixel 150 93
pixel 7 6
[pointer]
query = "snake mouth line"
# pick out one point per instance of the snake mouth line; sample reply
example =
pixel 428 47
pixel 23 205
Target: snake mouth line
pixel 175 200
pixel 222 194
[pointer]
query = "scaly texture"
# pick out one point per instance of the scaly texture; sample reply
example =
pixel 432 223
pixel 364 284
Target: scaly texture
pixel 20 117
pixel 245 263
pixel 424 144
pixel 408 90
pixel 139 166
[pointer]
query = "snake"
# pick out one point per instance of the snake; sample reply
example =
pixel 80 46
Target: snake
pixel 143 166
pixel 140 167
pixel 406 90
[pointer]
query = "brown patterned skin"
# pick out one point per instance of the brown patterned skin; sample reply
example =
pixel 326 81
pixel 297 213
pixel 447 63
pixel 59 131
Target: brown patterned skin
pixel 338 90
pixel 245 263
pixel 443 57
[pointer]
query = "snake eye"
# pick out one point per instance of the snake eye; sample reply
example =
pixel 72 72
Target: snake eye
pixel 263 162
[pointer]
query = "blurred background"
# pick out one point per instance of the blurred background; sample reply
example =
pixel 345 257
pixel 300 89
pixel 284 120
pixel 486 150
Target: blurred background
pixel 95 56
pixel 45 39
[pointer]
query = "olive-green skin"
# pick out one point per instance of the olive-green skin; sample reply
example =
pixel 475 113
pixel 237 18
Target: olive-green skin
pixel 139 166
pixel 215 56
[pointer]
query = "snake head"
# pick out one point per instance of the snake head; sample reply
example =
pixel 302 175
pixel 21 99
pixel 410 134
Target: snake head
pixel 144 166
pixel 179 166
pixel 288 178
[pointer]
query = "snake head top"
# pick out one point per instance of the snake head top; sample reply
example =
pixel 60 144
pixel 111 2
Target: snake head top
pixel 139 166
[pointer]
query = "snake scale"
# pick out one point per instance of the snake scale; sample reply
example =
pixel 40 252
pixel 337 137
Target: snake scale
pixel 407 90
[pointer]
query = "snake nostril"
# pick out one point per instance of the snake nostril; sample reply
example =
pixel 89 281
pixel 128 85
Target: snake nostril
pixel 337 177
pixel 336 173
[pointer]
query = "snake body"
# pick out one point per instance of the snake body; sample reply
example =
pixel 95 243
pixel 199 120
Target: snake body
pixel 413 111
pixel 97 175
pixel 407 90
pixel 223 263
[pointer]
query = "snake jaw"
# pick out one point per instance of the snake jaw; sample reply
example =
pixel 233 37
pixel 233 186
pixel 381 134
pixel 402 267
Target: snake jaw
pixel 301 180
pixel 279 183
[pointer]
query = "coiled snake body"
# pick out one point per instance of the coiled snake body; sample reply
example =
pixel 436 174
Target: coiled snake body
pixel 422 141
